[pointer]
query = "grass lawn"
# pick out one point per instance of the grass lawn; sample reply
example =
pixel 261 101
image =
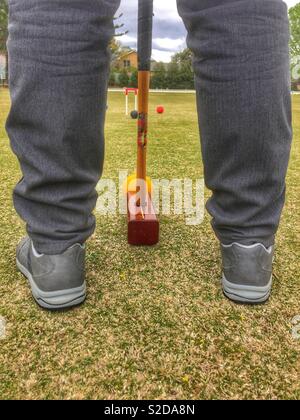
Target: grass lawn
pixel 155 324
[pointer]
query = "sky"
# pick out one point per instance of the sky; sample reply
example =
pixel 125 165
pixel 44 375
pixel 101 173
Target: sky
pixel 169 33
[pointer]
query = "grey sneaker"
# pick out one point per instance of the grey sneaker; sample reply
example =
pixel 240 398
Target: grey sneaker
pixel 247 272
pixel 56 281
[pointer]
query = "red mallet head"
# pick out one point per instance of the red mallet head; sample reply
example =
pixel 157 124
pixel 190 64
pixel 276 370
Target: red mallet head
pixel 160 109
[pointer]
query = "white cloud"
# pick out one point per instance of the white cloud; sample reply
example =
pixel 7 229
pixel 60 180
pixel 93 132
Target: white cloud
pixel 164 56
pixel 168 44
pixel 169 32
pixel 129 41
pixel 166 8
pixel 291 3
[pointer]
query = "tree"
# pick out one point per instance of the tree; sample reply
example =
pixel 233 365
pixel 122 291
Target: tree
pixel 294 14
pixel 119 26
pixel 112 79
pixel 4 32
pixel 183 62
pixel 159 76
pixel 115 48
pixel 173 76
pixel 124 78
pixel 134 79
pixel 178 74
pixel 184 57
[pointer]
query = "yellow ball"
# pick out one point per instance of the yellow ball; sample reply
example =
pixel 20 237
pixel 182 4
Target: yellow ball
pixel 130 184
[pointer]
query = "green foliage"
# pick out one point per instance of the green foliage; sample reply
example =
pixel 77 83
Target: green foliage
pixel 124 78
pixel 3 24
pixel 182 63
pixel 159 76
pixel 4 34
pixel 115 48
pixel 178 74
pixel 173 76
pixel 294 14
pixel 112 79
pixel 184 58
pixel 134 79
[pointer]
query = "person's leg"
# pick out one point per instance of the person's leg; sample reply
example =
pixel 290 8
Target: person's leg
pixel 59 64
pixel 241 50
pixel 243 91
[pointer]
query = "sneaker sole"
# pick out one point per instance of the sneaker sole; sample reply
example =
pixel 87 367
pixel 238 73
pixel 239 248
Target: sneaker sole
pixel 246 294
pixel 54 300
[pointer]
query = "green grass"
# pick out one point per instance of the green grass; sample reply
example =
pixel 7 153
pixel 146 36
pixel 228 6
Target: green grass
pixel 155 324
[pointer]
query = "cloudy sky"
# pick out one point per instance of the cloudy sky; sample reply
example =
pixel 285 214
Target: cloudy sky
pixel 169 33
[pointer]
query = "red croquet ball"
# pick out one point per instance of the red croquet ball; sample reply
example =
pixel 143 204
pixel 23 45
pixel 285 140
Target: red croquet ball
pixel 160 109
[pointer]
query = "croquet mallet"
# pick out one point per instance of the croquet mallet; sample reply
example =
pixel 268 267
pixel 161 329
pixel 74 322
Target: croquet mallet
pixel 143 224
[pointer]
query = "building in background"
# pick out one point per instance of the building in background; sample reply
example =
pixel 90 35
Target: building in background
pixel 127 61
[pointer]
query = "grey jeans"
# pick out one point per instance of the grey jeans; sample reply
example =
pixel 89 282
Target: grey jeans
pixel 59 64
